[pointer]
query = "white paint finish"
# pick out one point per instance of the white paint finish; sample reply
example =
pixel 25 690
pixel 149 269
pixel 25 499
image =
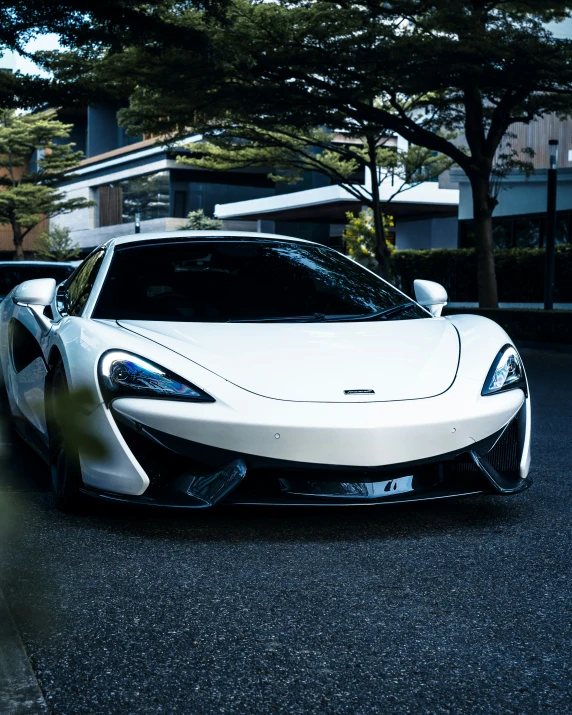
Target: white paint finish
pixel 430 295
pixel 39 291
pixel 399 360
pixel 525 459
pixel 116 470
pixel 356 434
pixel 27 386
pixel 418 355
pixel 29 390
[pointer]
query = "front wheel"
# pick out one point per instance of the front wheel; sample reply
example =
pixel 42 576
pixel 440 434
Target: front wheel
pixel 64 457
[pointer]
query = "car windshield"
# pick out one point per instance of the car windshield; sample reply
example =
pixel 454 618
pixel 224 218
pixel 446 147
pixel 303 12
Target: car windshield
pixel 15 273
pixel 251 281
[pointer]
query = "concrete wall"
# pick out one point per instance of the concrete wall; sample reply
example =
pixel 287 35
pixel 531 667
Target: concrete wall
pixel 519 196
pixel 427 233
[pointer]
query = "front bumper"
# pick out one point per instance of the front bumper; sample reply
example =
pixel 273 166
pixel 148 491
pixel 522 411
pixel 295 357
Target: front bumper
pixel 186 474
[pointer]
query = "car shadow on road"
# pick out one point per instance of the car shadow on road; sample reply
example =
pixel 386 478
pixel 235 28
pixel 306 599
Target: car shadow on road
pixel 476 516
pixel 23 474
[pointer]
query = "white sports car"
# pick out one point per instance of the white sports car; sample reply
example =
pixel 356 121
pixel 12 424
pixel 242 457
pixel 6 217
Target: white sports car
pixel 244 368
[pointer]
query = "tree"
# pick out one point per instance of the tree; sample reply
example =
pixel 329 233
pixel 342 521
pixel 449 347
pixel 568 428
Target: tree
pixel 56 245
pixel 361 240
pixel 87 29
pixel 31 164
pixel 468 67
pixel 197 221
pixel 346 159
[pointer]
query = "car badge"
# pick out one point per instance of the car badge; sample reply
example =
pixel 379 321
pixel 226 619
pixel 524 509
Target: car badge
pixel 359 392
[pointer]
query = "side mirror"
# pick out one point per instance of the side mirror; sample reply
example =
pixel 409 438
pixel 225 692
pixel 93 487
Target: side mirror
pixel 40 292
pixel 431 296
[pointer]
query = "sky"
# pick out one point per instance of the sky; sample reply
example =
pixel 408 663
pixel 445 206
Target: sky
pixel 561 29
pixel 13 61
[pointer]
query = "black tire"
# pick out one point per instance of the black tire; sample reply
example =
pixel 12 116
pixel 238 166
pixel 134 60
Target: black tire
pixel 8 433
pixel 4 404
pixel 64 458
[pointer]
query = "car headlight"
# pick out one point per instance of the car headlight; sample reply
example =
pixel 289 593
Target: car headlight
pixel 124 375
pixel 506 373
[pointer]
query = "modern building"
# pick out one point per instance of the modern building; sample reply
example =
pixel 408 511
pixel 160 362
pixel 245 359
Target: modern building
pixel 128 177
pixel 519 220
pixel 425 215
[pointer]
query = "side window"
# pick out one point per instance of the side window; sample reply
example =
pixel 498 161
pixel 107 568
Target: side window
pixel 25 347
pixel 79 288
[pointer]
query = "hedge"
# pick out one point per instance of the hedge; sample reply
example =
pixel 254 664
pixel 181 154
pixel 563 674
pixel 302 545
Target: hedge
pixel 544 326
pixel 520 272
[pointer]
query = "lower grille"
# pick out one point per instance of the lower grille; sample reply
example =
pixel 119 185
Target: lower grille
pixel 505 455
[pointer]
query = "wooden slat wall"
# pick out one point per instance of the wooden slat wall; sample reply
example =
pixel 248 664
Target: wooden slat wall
pixel 536 135
pixel 110 205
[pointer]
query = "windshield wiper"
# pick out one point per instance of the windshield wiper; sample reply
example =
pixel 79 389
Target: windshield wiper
pixel 315 318
pixel 386 314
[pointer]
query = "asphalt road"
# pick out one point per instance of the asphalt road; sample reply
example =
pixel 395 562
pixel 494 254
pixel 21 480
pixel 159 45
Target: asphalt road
pixel 460 606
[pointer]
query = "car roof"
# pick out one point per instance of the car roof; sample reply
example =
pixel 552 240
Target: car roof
pixel 36 263
pixel 215 235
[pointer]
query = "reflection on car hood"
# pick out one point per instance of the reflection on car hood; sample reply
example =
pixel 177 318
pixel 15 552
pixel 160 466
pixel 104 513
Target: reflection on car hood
pixel 319 362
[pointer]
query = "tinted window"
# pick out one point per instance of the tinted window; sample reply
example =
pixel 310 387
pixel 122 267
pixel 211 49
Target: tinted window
pixel 25 347
pixel 79 288
pixel 13 275
pixel 241 280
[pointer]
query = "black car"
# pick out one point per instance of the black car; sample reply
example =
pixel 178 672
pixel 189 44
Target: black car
pixel 12 273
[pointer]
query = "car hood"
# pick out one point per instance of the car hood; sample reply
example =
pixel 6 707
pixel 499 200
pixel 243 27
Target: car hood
pixel 319 362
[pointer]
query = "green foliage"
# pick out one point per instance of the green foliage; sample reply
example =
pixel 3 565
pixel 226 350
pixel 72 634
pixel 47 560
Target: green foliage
pixel 197 221
pixel 56 245
pixel 360 239
pixel 290 151
pixel 69 412
pixel 520 272
pixel 346 159
pixel 423 70
pixel 33 159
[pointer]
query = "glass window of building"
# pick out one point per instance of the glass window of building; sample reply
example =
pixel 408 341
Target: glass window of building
pixel 148 195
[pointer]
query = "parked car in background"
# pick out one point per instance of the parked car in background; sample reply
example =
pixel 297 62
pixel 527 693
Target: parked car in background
pixel 12 273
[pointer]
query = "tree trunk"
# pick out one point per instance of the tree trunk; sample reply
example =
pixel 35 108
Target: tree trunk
pixel 483 207
pixel 382 253
pixel 18 241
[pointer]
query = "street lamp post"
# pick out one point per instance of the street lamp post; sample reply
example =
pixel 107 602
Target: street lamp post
pixel 550 225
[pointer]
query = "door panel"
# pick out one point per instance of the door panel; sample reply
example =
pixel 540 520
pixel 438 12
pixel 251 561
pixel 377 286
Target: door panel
pixel 28 346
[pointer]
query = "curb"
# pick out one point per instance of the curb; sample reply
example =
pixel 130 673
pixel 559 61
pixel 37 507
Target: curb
pixel 20 693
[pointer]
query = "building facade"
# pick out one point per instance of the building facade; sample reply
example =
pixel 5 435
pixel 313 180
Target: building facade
pixel 128 177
